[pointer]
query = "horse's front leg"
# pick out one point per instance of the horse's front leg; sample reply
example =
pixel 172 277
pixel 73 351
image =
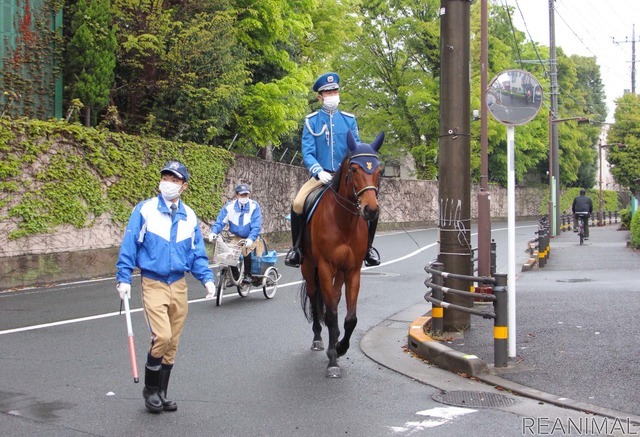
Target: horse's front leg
pixel 326 281
pixel 352 289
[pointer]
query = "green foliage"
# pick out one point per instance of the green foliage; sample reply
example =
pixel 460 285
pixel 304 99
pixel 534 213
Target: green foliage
pixel 391 76
pixel 625 160
pixel 609 199
pixel 91 58
pixel 76 174
pixel 634 241
pixel 625 218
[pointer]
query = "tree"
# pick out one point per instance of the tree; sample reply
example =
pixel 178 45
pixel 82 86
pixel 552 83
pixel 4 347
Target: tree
pixel 625 161
pixel 91 57
pixel 391 73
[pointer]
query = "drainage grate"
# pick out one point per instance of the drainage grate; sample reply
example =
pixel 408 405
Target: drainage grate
pixel 574 280
pixel 474 399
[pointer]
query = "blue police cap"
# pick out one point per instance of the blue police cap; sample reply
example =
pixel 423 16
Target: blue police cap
pixel 177 168
pixel 243 189
pixel 326 82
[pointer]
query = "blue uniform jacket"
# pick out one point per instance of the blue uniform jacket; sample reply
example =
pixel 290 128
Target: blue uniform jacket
pixel 163 249
pixel 245 221
pixel 324 139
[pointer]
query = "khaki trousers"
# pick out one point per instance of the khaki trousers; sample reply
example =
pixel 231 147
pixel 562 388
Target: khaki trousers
pixel 309 186
pixel 165 309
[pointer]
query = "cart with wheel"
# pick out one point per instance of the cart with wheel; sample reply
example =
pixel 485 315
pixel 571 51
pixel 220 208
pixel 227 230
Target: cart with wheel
pixel 231 270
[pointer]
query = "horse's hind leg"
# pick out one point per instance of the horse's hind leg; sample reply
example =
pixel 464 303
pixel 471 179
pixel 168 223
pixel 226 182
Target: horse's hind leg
pixel 317 344
pixel 317 311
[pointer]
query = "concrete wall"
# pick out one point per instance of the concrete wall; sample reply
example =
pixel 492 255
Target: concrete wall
pixel 71 254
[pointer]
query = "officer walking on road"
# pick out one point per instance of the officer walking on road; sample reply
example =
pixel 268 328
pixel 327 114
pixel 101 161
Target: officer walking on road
pixel 163 239
pixel 324 146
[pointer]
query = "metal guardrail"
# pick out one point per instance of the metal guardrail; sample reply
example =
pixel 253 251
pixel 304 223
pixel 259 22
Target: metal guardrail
pixel 437 290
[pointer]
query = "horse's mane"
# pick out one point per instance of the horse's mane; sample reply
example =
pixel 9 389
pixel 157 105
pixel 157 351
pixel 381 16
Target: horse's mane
pixel 337 177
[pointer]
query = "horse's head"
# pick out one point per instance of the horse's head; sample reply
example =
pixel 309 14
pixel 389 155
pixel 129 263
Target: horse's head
pixel 364 172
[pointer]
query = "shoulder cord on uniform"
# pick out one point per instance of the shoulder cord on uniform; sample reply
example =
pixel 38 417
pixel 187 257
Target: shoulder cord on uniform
pixel 324 129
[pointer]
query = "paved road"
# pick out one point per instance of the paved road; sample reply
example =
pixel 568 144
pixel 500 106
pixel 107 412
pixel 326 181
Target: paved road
pixel 245 368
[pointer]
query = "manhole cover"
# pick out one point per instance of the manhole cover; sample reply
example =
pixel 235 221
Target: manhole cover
pixel 574 280
pixel 473 399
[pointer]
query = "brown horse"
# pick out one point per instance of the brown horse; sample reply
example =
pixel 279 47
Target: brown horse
pixel 336 244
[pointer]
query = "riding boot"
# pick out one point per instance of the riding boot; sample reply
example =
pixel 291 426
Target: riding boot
pixel 152 389
pixel 167 405
pixel 294 256
pixel 373 257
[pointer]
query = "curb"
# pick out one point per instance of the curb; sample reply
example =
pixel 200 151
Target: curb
pixel 449 359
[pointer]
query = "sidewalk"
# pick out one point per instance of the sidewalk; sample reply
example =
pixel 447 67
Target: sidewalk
pixel 577 329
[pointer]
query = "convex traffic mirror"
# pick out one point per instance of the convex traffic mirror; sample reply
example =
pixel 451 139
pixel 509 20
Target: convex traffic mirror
pixel 514 97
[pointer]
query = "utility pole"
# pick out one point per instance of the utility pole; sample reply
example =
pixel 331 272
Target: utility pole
pixel 633 57
pixel 484 209
pixel 554 161
pixel 454 153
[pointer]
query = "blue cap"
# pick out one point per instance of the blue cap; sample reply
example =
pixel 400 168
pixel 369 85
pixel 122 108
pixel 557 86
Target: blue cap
pixel 177 168
pixel 243 189
pixel 326 82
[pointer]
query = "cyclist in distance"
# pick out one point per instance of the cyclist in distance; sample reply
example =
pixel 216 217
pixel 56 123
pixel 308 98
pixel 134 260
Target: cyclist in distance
pixel 582 204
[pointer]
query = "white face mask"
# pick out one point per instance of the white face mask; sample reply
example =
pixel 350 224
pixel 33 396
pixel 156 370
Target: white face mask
pixel 243 200
pixel 331 102
pixel 169 190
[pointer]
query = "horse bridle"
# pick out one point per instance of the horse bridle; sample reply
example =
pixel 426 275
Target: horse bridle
pixel 369 187
pixel 356 193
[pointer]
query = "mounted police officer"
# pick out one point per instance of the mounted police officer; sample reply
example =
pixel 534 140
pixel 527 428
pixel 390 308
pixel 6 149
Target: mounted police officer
pixel 324 146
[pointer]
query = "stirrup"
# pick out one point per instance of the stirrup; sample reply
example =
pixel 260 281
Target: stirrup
pixel 293 258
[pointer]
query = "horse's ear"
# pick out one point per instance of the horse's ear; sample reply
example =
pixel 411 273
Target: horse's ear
pixel 351 141
pixel 377 143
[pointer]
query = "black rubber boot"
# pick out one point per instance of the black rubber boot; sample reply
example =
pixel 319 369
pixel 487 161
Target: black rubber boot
pixel 372 258
pixel 294 256
pixel 152 389
pixel 167 404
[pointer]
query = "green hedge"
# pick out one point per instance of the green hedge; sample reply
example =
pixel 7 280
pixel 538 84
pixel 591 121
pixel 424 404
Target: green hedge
pixel 68 174
pixel 635 231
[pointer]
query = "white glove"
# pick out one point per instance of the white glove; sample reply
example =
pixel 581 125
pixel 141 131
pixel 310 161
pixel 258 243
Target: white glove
pixel 211 289
pixel 212 237
pixel 324 177
pixel 124 290
pixel 248 242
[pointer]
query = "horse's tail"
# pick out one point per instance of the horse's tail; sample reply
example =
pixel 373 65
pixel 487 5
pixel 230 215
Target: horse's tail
pixel 307 308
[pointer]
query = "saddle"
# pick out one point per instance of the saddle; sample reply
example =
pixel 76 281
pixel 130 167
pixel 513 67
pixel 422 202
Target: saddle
pixel 312 200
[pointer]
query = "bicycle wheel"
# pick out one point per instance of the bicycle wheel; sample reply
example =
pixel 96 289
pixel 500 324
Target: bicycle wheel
pixel 271 283
pixel 581 231
pixel 243 288
pixel 221 282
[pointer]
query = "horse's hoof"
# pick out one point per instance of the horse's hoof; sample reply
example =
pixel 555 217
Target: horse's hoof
pixel 334 372
pixel 317 345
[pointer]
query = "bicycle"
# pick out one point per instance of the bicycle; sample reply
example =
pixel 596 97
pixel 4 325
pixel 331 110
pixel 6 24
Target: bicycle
pixel 581 217
pixel 231 270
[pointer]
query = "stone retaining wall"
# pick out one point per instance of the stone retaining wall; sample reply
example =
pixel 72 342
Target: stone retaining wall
pixel 72 254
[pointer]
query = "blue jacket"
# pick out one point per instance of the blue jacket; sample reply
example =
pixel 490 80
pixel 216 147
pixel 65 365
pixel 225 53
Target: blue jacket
pixel 324 139
pixel 162 248
pixel 233 213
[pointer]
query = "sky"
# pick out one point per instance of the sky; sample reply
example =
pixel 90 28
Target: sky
pixel 600 28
